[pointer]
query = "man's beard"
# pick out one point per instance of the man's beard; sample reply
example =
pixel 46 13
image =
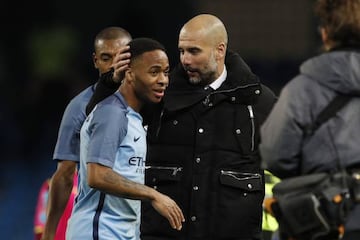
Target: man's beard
pixel 205 76
pixel 203 79
pixel 195 80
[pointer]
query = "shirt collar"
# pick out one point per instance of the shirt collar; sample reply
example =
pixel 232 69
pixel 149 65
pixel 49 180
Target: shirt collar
pixel 217 83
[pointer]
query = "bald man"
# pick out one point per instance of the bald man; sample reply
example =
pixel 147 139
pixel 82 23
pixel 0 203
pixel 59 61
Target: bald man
pixel 203 141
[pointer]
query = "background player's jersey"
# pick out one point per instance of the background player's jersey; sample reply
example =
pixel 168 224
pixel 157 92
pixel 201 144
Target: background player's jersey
pixel 68 141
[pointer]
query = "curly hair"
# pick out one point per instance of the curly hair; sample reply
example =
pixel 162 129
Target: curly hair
pixel 341 19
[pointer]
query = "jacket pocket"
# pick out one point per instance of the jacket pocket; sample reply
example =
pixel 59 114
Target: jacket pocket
pixel 249 182
pixel 162 174
pixel 165 179
pixel 239 196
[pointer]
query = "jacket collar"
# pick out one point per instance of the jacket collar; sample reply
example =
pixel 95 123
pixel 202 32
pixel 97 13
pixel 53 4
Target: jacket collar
pixel 241 84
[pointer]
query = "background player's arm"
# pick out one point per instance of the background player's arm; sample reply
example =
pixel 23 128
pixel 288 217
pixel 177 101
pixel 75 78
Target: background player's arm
pixel 61 185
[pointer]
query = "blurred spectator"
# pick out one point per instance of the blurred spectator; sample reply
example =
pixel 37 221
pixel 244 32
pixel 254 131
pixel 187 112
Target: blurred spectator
pixel 41 209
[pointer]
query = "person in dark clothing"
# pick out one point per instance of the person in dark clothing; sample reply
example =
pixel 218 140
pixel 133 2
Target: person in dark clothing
pixel 203 140
pixel 203 147
pixel 286 150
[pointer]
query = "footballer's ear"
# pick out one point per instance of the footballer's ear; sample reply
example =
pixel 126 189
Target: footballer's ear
pixel 129 75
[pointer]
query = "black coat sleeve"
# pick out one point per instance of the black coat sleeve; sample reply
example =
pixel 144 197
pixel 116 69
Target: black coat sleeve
pixel 104 88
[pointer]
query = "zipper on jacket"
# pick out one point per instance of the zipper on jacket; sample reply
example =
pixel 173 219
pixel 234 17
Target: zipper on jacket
pixel 206 100
pixel 234 89
pixel 174 170
pixel 245 176
pixel 251 114
pixel 159 125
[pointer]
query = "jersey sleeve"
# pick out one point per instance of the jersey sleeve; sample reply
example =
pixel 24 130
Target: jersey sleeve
pixel 68 142
pixel 106 131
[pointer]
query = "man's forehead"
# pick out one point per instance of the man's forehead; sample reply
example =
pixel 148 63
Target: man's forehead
pixel 113 42
pixel 193 43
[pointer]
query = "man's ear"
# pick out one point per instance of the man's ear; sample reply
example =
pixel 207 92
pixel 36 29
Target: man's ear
pixel 94 58
pixel 324 34
pixel 325 38
pixel 129 75
pixel 221 50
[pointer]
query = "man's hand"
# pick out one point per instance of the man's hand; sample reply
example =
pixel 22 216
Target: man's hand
pixel 121 64
pixel 169 209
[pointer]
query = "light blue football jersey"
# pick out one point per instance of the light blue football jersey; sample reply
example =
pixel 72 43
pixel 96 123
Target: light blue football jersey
pixel 68 142
pixel 112 135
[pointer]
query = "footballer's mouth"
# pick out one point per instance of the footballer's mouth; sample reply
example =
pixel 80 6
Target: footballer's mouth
pixel 159 92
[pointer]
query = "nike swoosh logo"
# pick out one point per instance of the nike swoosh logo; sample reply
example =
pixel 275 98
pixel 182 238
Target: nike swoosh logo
pixel 136 139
